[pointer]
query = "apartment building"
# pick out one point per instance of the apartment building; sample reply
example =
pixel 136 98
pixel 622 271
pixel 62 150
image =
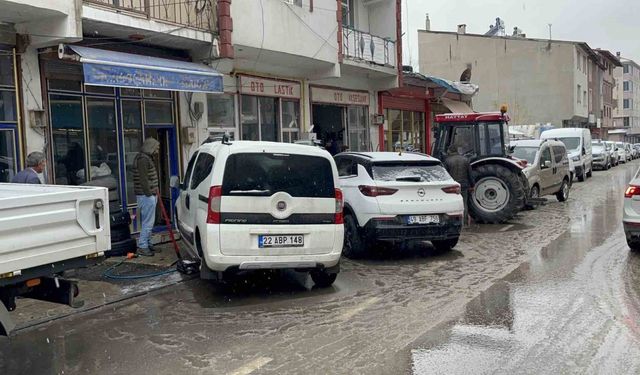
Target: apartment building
pixel 542 81
pixel 86 81
pixel 627 93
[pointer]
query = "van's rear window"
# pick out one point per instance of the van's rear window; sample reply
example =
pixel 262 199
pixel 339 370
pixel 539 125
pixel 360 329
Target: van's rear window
pixel 264 174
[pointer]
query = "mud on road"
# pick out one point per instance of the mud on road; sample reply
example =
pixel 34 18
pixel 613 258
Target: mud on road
pixel 394 312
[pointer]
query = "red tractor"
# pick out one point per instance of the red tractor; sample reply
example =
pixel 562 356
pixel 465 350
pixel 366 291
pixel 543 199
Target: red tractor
pixel 501 189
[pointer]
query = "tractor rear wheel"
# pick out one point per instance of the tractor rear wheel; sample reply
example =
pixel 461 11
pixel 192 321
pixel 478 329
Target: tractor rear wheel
pixel 498 194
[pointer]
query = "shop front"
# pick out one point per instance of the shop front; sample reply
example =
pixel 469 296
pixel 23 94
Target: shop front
pixel 102 108
pixel 341 118
pixel 9 118
pixel 405 126
pixel 269 109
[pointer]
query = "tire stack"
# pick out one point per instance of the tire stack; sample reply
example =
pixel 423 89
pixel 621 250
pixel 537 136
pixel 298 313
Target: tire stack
pixel 121 241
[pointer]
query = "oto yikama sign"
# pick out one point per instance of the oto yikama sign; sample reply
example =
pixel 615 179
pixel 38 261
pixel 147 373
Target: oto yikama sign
pixel 335 96
pixel 269 87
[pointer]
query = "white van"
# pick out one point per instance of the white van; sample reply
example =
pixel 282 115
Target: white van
pixel 262 205
pixel 578 144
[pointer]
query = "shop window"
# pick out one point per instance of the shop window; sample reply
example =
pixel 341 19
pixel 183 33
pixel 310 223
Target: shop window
pixel 104 163
pixel 65 85
pixel 130 92
pixel 132 129
pixel 7 105
pixel 99 90
pixel 202 169
pixel 158 112
pixel 407 130
pixel 158 94
pixel 290 121
pixel 6 69
pixel 68 138
pixel 220 111
pixel 250 129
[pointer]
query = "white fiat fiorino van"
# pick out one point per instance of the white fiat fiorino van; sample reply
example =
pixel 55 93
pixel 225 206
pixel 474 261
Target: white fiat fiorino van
pixel 578 144
pixel 262 205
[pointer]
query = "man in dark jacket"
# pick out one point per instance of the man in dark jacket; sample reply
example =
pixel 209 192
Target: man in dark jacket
pixel 459 168
pixel 35 165
pixel 145 186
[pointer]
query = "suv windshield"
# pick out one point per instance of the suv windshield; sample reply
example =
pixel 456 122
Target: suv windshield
pixel 418 172
pixel 526 153
pixel 263 174
pixel 572 143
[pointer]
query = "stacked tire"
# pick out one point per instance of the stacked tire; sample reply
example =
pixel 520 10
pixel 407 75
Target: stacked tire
pixel 121 241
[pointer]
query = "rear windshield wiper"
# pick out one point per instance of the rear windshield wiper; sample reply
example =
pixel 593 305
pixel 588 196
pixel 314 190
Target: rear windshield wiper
pixel 409 178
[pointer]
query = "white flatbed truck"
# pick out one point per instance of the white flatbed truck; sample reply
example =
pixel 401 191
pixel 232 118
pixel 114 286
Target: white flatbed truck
pixel 45 230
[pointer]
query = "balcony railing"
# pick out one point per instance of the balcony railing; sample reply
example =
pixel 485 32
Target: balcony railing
pixel 361 46
pixel 196 14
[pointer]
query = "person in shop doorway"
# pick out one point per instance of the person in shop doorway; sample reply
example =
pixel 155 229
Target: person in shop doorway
pixel 145 185
pixel 36 163
pixel 459 168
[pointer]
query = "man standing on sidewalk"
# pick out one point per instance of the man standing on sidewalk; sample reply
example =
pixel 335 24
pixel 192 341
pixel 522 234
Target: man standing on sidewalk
pixel 36 163
pixel 459 168
pixel 145 185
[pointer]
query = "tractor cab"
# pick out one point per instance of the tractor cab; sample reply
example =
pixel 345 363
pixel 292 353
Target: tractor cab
pixel 474 135
pixel 501 189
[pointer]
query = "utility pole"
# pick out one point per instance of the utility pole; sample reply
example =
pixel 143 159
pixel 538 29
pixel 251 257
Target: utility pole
pixel 550 30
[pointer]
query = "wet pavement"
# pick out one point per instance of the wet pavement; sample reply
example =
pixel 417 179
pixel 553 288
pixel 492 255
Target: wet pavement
pixel 554 291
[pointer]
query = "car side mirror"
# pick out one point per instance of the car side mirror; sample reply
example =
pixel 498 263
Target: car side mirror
pixel 547 164
pixel 174 182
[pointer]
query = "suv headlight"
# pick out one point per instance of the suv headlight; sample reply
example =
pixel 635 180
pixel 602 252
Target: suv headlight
pixel 576 158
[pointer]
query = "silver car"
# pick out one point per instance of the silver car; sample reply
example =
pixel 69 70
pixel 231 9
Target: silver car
pixel 631 213
pixel 601 155
pixel 547 167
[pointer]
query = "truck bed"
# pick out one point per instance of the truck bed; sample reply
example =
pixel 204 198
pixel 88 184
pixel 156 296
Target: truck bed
pixel 45 224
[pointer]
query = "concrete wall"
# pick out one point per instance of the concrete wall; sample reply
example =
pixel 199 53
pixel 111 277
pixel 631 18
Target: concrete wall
pixel 580 77
pixel 633 95
pixel 287 27
pixel 537 79
pixel 52 21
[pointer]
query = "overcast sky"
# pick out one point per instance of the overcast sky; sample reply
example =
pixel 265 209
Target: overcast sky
pixel 606 24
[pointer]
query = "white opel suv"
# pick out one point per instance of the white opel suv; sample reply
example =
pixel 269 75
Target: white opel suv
pixel 398 197
pixel 261 205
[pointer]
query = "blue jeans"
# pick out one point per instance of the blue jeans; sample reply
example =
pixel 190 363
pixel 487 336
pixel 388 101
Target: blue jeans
pixel 147 212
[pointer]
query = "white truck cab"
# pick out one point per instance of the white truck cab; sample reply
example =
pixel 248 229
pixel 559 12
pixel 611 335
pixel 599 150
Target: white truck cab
pixel 262 205
pixel 578 144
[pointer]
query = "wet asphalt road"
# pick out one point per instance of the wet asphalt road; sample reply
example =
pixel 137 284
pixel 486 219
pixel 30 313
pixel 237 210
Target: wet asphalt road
pixel 555 291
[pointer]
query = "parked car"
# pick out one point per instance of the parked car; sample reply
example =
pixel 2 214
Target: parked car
pixel 397 197
pixel 578 144
pixel 613 153
pixel 631 213
pixel 601 155
pixel 630 151
pixel 547 167
pixel 262 205
pixel 636 147
pixel 622 152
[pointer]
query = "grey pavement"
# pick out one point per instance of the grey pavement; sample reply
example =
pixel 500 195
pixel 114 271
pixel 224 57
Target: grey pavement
pixel 554 291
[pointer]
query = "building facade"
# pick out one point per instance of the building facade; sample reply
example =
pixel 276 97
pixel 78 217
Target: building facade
pixel 627 94
pixel 86 81
pixel 542 81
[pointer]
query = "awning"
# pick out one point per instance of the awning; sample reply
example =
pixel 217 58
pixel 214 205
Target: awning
pixel 455 87
pixel 108 68
pixel 456 106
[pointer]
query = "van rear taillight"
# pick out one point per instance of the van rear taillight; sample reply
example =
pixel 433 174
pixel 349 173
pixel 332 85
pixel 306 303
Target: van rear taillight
pixel 631 191
pixel 215 198
pixel 374 191
pixel 339 218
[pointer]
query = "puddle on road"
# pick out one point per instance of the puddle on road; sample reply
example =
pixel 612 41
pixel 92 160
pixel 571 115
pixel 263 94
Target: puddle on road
pixel 559 312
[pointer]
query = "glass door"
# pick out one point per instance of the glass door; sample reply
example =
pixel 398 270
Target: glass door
pixel 167 166
pixel 8 160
